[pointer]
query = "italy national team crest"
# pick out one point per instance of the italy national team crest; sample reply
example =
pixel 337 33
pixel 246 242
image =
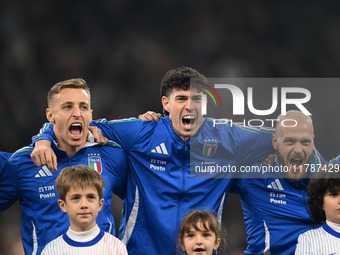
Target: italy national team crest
pixel 95 162
pixel 209 148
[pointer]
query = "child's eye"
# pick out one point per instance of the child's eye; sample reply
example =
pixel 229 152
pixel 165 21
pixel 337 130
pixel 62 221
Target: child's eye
pixel 207 234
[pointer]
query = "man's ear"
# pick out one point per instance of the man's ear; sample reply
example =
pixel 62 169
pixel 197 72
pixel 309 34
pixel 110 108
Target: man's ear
pixel 165 103
pixel 49 115
pixel 62 205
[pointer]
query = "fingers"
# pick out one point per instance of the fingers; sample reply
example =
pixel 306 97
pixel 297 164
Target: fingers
pixel 43 154
pixel 98 136
pixel 150 116
pixel 268 160
pixel 36 158
pixel 54 163
pixel 102 139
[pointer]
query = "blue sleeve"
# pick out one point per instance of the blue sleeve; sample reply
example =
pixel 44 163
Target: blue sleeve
pixel 317 158
pixel 335 160
pixel 239 185
pixel 9 191
pixel 253 144
pixel 4 156
pixel 46 132
pixel 125 132
pixel 119 170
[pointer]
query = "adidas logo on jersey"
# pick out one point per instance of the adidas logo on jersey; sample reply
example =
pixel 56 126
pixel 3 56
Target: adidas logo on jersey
pixel 160 149
pixel 44 172
pixel 275 185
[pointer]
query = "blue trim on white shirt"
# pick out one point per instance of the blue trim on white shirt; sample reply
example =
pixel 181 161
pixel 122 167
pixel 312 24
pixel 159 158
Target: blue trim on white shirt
pixel 331 231
pixel 95 240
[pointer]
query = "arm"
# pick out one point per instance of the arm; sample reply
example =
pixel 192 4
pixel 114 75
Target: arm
pixel 268 160
pixel 335 160
pixel 4 156
pixel 124 131
pixel 119 169
pixel 239 185
pixel 44 155
pixel 9 191
pixel 253 144
pixel 149 115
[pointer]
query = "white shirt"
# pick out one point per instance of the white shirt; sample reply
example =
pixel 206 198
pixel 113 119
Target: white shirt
pixel 91 242
pixel 323 240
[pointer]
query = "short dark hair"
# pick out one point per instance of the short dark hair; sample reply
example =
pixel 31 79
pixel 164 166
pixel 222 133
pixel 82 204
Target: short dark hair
pixel 178 78
pixel 325 181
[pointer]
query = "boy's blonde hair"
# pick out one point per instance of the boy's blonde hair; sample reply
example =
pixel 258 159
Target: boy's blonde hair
pixel 79 176
pixel 77 83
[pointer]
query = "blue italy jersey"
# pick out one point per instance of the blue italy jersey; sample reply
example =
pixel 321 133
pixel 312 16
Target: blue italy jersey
pixel 160 189
pixel 275 211
pixel 4 156
pixel 42 220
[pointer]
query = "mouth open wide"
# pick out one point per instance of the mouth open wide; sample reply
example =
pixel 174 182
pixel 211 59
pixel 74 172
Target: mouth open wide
pixel 76 129
pixel 199 250
pixel 188 121
pixel 296 162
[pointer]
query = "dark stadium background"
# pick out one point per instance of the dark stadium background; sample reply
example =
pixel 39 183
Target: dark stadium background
pixel 123 48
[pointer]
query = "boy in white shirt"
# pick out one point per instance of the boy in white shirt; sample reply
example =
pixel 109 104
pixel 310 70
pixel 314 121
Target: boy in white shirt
pixel 324 203
pixel 80 191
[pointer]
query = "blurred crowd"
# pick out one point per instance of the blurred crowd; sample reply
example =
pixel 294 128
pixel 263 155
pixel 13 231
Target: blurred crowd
pixel 123 48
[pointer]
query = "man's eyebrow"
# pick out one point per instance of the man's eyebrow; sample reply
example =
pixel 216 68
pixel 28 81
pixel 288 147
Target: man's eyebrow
pixel 67 102
pixel 181 96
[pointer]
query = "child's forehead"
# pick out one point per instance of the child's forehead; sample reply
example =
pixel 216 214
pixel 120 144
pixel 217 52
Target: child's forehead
pixel 199 226
pixel 335 189
pixel 82 189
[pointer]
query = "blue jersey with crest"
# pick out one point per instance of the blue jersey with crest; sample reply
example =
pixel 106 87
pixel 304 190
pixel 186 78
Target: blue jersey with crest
pixel 160 188
pixel 275 210
pixel 42 219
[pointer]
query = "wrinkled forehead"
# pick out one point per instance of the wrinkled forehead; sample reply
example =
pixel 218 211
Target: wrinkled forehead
pixel 290 127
